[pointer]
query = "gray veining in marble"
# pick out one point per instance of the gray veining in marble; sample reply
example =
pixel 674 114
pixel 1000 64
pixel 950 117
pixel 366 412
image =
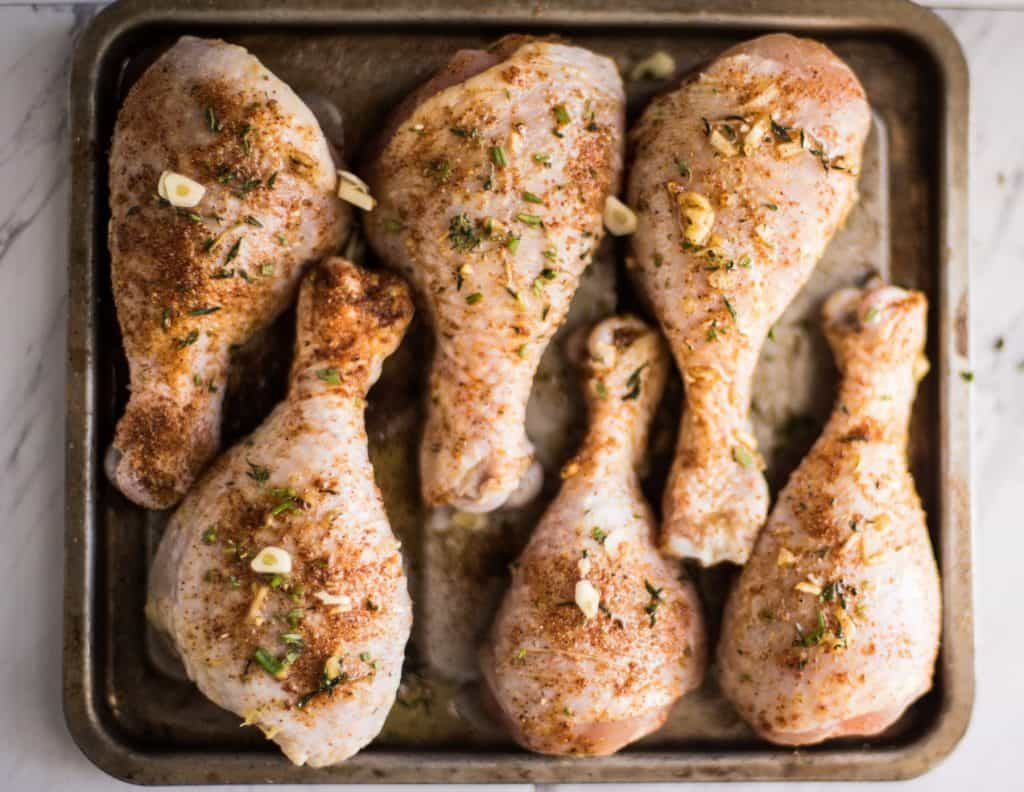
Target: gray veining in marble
pixel 36 752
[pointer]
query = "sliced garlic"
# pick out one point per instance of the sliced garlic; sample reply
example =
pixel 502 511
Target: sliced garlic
pixel 332 668
pixel 696 216
pixel 583 565
pixel 342 602
pixel 355 191
pixel 657 66
pixel 753 139
pixel 722 144
pixel 786 558
pixel 272 560
pixel 619 219
pixel 588 598
pixel 178 190
pixel 255 612
pixel 807 587
pixel 762 98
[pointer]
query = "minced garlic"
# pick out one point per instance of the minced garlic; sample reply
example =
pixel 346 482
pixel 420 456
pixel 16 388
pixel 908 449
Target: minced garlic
pixel 272 560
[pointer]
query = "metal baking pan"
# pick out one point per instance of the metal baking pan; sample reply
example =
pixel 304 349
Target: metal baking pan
pixel 126 702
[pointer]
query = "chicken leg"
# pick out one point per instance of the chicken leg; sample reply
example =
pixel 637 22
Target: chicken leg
pixel 278 579
pixel 220 192
pixel 833 627
pixel 491 188
pixel 597 636
pixel 740 178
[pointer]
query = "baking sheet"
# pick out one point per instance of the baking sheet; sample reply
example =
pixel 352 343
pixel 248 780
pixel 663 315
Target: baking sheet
pixel 127 700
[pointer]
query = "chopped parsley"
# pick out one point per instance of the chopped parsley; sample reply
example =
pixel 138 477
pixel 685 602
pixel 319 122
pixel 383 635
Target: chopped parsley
pixel 498 156
pixel 188 340
pixel 210 535
pixel 561 114
pixel 742 456
pixel 598 535
pixel 530 197
pixel 326 685
pixel 211 120
pixel 474 298
pixel 204 311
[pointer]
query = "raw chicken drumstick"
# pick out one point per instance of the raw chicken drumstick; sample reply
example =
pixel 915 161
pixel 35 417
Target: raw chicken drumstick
pixel 221 189
pixel 491 187
pixel 597 637
pixel 833 627
pixel 740 178
pixel 278 579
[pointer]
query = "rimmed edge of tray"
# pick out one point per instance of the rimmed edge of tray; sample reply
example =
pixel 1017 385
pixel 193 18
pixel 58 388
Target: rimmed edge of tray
pixel 85 722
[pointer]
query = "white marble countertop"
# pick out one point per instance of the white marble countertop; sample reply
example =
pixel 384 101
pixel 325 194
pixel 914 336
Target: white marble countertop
pixel 36 752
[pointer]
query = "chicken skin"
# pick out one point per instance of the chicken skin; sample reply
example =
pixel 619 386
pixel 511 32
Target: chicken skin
pixel 278 579
pixel 597 636
pixel 740 178
pixel 491 188
pixel 221 190
pixel 833 627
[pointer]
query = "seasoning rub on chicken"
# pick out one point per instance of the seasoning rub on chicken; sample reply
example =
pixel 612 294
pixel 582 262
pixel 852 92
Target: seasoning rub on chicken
pixel 221 190
pixel 740 178
pixel 833 627
pixel 491 186
pixel 278 579
pixel 598 636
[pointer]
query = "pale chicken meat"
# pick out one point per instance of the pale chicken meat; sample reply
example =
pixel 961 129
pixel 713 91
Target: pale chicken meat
pixel 221 190
pixel 491 183
pixel 833 627
pixel 278 580
pixel 740 178
pixel 598 636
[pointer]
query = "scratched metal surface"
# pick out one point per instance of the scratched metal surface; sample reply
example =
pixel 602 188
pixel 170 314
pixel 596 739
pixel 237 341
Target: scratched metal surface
pixel 132 708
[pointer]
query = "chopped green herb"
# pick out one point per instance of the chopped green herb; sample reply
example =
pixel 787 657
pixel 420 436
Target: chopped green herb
pixel 530 197
pixel 233 251
pixel 440 170
pixel 295 615
pixel 462 233
pixel 211 120
pixel 209 309
pixel 223 273
pixel 474 298
pixel 330 376
pixel 543 159
pixel 188 340
pixel 253 221
pixel 601 388
pixel 462 132
pixel 498 156
pixel 781 132
pixel 742 456
pixel 598 535
pixel 282 240
pixel 967 376
pixel 561 114
pixel 651 608
pixel 210 535
pixel 683 168
pixel 327 685
pixel 633 384
pixel 745 261
pixel 513 243
pixel 271 180
pixel 530 219
pixel 732 311
pixel 267 268
pixel 812 638
pixel 522 351
pixel 257 472
pixel 270 663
